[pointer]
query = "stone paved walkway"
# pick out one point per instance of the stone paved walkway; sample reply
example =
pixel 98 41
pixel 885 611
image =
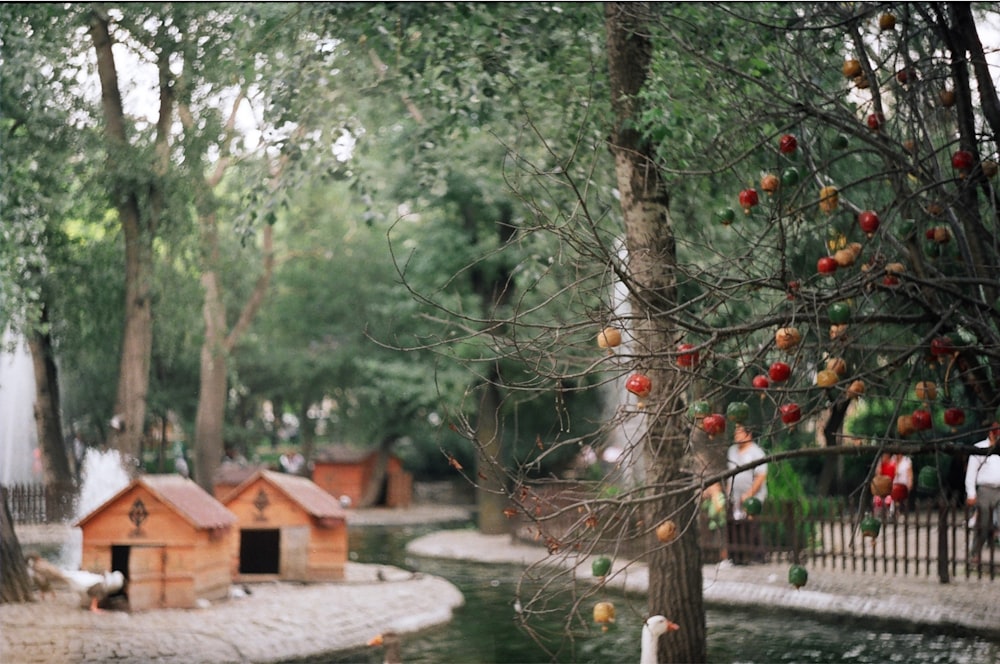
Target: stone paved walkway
pixel 281 622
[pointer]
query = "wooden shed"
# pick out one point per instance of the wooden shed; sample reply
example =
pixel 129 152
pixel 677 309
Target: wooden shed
pixel 366 477
pixel 289 529
pixel 169 537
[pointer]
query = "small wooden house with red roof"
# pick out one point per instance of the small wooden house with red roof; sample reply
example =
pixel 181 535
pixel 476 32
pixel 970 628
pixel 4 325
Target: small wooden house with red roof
pixel 170 538
pixel 289 529
pixel 366 477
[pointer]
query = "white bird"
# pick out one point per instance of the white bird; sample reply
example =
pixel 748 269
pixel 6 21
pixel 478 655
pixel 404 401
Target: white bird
pixel 651 631
pixel 94 586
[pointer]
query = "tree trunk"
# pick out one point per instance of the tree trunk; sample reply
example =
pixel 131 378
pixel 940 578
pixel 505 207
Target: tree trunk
pixel 675 580
pixel 217 346
pixel 15 584
pixel 55 456
pixel 208 443
pixel 491 494
pixel 138 231
pixel 376 482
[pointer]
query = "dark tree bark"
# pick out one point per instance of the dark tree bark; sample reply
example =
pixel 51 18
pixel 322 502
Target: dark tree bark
pixel 675 580
pixel 138 230
pixel 15 584
pixel 55 456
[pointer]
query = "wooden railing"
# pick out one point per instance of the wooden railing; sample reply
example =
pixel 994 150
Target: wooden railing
pixel 927 537
pixel 36 503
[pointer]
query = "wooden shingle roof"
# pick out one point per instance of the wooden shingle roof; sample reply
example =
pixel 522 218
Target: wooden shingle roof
pixel 183 496
pixel 304 492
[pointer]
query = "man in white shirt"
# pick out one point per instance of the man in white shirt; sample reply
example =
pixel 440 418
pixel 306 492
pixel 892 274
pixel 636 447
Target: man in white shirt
pixel 982 490
pixel 743 534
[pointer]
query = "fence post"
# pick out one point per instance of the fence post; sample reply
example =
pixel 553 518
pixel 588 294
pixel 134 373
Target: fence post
pixel 793 530
pixel 943 510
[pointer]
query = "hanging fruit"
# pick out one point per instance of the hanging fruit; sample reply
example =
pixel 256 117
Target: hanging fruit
pixel 870 526
pixel 713 424
pixel 601 566
pixel 829 199
pixel 752 506
pixel 748 199
pixel 790 413
pixel 839 313
pixel 856 389
pixel 990 168
pixel 962 161
pixel 947 98
pixel 881 486
pixel 837 331
pixel 787 338
pixel 875 121
pixel 954 417
pixel 790 176
pixel 886 22
pixel 609 337
pixel 787 144
pixel 837 365
pixel 725 216
pixel 666 532
pixel 760 382
pixel 905 426
pixel 770 183
pixel 639 384
pixel 922 420
pixel 604 614
pixel 847 256
pixel 941 346
pixel 839 141
pixel 927 478
pixel 826 378
pixel 826 265
pixel 940 234
pixel 738 412
pixel 779 372
pixel 851 68
pixel 687 355
pixel 926 390
pixel 869 222
pixel 797 576
pixel 699 409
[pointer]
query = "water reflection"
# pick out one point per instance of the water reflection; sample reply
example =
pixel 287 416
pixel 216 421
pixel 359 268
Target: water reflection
pixel 485 630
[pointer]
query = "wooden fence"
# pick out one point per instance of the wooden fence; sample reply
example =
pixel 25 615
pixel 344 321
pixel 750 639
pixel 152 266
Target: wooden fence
pixel 925 538
pixel 36 503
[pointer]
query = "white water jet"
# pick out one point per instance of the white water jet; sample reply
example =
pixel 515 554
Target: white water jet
pixel 623 446
pixel 19 463
pixel 103 475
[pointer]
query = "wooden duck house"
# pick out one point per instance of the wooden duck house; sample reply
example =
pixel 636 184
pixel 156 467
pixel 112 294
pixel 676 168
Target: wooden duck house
pixel 366 478
pixel 289 529
pixel 171 539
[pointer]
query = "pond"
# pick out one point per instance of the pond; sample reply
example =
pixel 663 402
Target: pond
pixel 484 630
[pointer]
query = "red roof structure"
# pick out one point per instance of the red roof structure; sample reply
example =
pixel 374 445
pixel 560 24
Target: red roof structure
pixel 312 499
pixel 184 496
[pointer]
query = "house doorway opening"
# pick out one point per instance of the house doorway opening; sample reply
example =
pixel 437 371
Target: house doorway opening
pixel 260 551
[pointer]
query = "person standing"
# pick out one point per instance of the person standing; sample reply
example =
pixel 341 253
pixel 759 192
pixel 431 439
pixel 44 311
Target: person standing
pixel 982 490
pixel 744 530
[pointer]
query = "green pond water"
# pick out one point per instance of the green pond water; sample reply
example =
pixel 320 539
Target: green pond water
pixel 485 629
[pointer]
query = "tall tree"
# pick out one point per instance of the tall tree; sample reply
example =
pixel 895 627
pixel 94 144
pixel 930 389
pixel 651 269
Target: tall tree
pixel 675 583
pixel 139 202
